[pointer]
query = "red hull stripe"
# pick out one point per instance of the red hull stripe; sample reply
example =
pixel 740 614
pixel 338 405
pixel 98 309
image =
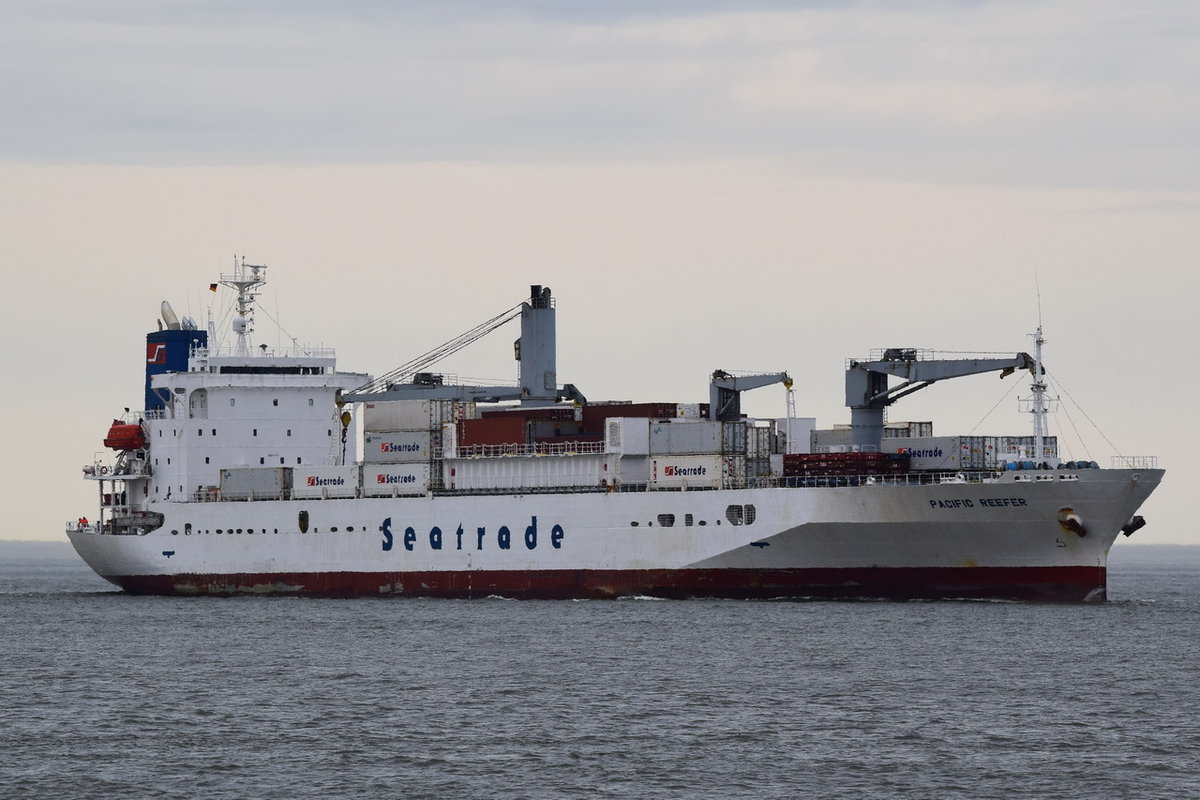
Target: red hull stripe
pixel 1070 584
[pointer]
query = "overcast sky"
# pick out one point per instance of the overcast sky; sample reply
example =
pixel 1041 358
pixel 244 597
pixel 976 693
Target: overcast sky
pixel 750 185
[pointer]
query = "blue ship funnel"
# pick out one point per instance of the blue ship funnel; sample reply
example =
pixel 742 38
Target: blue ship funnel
pixel 167 351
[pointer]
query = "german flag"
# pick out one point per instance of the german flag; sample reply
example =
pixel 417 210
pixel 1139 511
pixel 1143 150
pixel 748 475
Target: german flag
pixel 212 287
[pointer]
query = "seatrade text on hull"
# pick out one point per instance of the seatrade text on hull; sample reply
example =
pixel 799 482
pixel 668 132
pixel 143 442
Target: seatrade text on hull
pixel 502 538
pixel 249 469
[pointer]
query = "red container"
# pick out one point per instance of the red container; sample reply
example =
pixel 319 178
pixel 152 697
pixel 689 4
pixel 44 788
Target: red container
pixel 555 413
pixel 594 415
pixel 492 431
pixel 812 464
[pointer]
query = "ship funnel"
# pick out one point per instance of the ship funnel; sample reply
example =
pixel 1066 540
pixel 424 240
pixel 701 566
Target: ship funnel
pixel 168 316
pixel 536 349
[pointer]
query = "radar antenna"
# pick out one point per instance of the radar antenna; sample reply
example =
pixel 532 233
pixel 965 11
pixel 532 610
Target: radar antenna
pixel 244 280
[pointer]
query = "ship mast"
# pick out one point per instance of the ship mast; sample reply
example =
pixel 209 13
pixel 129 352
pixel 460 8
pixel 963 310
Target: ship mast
pixel 244 280
pixel 1039 408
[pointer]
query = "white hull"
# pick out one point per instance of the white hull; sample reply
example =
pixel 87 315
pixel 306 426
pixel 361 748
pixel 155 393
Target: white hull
pixel 968 536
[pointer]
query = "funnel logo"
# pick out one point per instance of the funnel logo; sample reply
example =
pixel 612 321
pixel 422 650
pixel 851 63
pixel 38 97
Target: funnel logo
pixel 156 353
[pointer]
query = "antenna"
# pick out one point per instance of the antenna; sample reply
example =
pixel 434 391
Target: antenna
pixel 1038 405
pixel 1037 286
pixel 244 280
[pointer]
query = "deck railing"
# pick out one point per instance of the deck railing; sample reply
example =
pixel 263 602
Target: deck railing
pixel 1135 462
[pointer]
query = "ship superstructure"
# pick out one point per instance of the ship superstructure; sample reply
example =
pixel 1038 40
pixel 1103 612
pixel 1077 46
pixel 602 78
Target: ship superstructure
pixel 260 470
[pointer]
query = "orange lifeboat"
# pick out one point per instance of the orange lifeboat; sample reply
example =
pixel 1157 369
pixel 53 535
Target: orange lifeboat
pixel 122 436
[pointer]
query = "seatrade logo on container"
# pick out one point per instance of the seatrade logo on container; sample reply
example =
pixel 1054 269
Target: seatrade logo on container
pixel 399 447
pixel 482 537
pixel 933 452
pixel 389 478
pixel 313 480
pixel 673 471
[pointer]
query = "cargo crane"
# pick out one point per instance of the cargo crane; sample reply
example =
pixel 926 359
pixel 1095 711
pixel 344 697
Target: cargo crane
pixel 725 392
pixel 867 392
pixel 535 353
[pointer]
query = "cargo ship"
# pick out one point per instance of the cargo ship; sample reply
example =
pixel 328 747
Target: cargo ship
pixel 252 469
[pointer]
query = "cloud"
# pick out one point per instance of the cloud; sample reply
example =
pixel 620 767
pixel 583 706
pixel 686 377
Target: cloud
pixel 1002 91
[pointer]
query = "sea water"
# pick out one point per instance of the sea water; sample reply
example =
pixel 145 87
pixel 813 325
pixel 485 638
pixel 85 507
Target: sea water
pixel 104 694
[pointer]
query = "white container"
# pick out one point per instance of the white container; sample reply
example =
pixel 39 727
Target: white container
pixel 325 482
pixel 686 471
pixel 797 433
pixel 927 452
pixel 396 447
pixel 408 415
pixel 685 437
pixel 628 435
pixel 395 480
pixel 248 483
pixel 947 452
pixel 515 473
pixel 629 469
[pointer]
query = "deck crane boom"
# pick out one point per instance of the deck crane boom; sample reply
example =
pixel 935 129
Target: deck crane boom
pixel 868 394
pixel 725 392
pixel 535 352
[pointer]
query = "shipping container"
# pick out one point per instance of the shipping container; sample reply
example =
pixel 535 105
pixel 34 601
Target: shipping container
pixel 492 431
pixel 553 413
pixel 627 470
pixel 909 430
pixel 594 414
pixel 627 435
pixel 255 483
pixel 547 428
pixel 395 447
pixel 796 433
pixel 948 452
pixel 841 437
pixel 681 438
pixel 514 473
pixel 694 471
pixel 734 437
pixel 395 480
pixel 1021 448
pixel 327 482
pixel 409 415
pixel 845 464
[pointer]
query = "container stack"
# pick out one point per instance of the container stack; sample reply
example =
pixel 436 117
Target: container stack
pixel 967 452
pixel 401 440
pixel 844 465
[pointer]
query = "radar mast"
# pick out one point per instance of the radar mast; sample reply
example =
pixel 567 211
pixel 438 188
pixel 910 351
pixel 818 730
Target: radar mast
pixel 246 278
